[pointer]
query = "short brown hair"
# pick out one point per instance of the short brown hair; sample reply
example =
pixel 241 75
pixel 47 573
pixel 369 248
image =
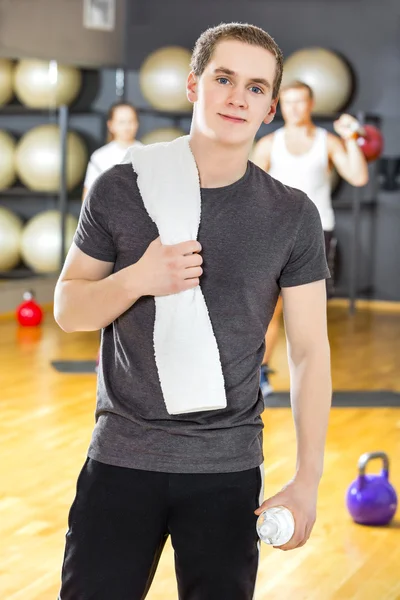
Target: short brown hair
pixel 116 105
pixel 298 85
pixel 243 32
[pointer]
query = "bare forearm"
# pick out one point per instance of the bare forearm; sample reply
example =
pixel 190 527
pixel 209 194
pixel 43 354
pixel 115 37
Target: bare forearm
pixel 357 164
pixel 83 305
pixel 311 393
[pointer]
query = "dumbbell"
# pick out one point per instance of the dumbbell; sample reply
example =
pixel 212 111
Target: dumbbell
pixel 370 140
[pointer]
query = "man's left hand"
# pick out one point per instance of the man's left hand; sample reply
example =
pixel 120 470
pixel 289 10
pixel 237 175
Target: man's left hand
pixel 300 497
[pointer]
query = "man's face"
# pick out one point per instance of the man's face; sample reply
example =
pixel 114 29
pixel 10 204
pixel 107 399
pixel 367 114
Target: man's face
pixel 296 106
pixel 233 96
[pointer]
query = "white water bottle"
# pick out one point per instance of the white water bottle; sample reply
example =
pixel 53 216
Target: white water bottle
pixel 275 526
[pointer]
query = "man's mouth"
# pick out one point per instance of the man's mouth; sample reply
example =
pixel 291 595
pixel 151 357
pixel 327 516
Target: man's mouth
pixel 232 118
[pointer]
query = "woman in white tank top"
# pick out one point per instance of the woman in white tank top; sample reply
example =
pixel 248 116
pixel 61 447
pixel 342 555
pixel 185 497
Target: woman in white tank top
pixel 122 125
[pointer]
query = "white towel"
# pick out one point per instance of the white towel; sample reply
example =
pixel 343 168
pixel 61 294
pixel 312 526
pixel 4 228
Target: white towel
pixel 185 348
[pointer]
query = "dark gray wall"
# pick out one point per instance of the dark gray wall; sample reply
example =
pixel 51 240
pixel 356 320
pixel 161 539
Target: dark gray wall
pixel 53 29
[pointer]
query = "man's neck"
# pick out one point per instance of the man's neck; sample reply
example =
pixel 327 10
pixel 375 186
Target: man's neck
pixel 301 129
pixel 218 165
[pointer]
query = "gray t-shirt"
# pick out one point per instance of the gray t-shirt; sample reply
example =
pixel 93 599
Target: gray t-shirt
pixel 257 236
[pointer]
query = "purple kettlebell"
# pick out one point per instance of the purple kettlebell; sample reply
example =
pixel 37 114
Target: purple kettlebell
pixel 371 499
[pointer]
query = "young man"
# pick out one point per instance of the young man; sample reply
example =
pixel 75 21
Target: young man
pixel 302 155
pixel 196 477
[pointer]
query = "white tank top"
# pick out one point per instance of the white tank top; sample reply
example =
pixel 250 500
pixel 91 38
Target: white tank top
pixel 307 172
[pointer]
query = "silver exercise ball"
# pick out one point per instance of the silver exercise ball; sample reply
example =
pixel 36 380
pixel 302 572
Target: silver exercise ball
pixel 164 134
pixel 44 84
pixel 6 80
pixel 41 240
pixel 38 159
pixel 325 72
pixel 11 227
pixel 163 77
pixel 7 160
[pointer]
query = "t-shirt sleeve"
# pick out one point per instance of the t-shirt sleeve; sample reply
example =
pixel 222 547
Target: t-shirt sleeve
pixel 94 232
pixel 307 260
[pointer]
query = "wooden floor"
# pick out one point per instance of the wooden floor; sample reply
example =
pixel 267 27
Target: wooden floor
pixel 46 422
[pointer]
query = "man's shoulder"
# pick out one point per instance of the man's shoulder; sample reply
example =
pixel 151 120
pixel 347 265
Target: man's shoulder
pixel 334 142
pixel 275 188
pixel 261 152
pixel 118 174
pixel 116 184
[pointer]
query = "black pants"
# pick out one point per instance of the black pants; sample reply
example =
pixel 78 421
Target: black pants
pixel 121 518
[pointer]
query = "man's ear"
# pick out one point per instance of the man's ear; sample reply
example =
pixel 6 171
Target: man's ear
pixel 271 112
pixel 191 87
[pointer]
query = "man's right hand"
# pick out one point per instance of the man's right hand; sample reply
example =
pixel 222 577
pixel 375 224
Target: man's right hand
pixel 165 270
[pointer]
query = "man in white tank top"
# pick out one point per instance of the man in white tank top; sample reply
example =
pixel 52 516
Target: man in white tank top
pixel 302 155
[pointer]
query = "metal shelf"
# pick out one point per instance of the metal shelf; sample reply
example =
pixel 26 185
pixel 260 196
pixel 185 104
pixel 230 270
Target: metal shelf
pixel 21 191
pixel 64 113
pixel 22 272
pixel 20 110
pixel 348 203
pixel 62 196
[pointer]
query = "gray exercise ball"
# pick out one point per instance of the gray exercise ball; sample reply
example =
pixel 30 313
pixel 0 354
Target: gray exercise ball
pixel 41 240
pixel 6 80
pixel 41 84
pixel 7 160
pixel 11 227
pixel 325 72
pixel 163 77
pixel 38 159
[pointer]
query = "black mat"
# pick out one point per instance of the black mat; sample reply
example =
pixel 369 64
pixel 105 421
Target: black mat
pixel 345 399
pixel 74 366
pixel 277 399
